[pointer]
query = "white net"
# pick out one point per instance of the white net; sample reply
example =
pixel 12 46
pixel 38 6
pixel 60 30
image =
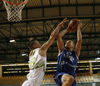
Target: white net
pixel 14 9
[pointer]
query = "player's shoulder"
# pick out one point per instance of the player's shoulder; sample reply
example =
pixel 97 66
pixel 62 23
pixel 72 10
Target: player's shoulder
pixel 37 49
pixel 61 53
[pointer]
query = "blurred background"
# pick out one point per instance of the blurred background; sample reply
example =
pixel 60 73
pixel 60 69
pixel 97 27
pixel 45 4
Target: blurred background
pixel 39 19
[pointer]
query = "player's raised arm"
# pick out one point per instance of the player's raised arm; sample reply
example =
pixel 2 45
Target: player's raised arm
pixel 60 43
pixel 79 40
pixel 53 35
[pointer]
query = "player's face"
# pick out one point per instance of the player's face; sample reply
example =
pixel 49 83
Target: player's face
pixel 69 44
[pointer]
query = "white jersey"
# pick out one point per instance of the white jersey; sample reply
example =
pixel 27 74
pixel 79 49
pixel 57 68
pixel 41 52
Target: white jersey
pixel 37 65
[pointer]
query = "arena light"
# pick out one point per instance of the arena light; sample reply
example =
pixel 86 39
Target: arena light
pixel 23 54
pixel 98 51
pixel 98 58
pixel 11 40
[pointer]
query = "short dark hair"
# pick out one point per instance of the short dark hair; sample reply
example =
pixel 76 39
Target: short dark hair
pixel 31 43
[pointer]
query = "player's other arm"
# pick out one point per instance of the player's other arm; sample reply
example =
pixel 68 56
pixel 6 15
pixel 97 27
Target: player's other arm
pixel 53 35
pixel 79 40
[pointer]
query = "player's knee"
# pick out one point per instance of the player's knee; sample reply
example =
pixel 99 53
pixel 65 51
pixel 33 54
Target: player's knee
pixel 71 79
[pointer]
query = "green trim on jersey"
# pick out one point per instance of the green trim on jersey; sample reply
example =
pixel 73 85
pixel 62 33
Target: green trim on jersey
pixel 38 65
pixel 32 62
pixel 33 52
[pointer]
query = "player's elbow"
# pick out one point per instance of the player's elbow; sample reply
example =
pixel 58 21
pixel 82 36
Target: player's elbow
pixel 80 41
pixel 59 36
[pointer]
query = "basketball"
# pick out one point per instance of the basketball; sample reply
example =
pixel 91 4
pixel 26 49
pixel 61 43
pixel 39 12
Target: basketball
pixel 73 24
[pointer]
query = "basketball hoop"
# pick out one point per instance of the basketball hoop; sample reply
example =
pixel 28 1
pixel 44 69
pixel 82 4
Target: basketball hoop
pixel 14 9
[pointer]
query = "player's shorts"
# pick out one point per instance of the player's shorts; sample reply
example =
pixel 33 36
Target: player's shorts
pixel 30 82
pixel 62 78
pixel 59 79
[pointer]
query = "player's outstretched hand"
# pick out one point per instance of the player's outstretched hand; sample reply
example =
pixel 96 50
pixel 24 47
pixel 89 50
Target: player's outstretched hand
pixel 62 23
pixel 79 25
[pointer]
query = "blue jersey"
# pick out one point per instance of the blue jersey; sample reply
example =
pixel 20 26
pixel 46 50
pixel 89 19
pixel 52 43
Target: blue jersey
pixel 67 62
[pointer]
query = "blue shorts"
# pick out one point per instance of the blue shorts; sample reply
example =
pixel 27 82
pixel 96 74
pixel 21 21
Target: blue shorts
pixel 57 78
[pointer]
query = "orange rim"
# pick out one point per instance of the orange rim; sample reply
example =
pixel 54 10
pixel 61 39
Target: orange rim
pixel 15 3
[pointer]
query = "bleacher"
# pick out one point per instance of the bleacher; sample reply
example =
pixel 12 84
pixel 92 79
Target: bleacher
pixel 14 80
pixel 18 80
pixel 49 81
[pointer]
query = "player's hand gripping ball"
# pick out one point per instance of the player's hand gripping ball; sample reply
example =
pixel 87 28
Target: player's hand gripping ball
pixel 73 25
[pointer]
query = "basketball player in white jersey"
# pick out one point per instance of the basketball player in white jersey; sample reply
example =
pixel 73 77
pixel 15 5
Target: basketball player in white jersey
pixel 37 58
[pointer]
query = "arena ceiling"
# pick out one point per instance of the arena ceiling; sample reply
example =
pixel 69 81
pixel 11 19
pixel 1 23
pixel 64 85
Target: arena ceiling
pixel 40 17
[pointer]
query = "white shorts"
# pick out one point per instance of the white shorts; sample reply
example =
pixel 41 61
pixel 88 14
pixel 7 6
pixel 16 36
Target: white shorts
pixel 34 78
pixel 30 83
pixel 62 78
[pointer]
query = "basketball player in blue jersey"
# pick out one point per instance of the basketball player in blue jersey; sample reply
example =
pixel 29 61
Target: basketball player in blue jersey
pixel 67 58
